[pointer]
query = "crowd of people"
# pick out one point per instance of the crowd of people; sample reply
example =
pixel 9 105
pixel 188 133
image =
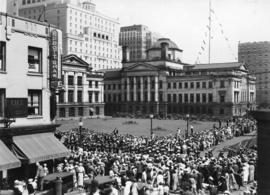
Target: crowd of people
pixel 160 165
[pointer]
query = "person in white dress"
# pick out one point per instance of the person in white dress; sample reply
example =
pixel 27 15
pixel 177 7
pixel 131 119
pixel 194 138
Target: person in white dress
pixel 245 173
pixel 127 188
pixel 81 172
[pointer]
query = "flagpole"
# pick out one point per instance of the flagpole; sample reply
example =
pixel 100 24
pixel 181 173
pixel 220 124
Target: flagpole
pixel 209 41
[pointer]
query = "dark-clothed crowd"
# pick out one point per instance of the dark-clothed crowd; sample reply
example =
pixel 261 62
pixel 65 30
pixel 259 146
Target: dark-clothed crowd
pixel 160 165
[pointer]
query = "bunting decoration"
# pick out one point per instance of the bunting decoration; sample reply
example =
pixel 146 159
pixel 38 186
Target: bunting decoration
pixel 202 48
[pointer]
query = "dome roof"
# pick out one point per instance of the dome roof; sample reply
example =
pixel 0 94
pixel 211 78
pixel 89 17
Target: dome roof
pixel 157 45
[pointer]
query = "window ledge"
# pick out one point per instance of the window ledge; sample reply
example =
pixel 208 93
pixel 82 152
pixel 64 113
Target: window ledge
pixel 34 116
pixel 34 74
pixel 3 72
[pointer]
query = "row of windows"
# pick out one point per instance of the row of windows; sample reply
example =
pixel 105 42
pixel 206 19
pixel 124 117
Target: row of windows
pixel 71 96
pixel 176 98
pixel 34 58
pixel 97 19
pixel 34 103
pixel 190 98
pixel 31 1
pixel 174 85
pixel 190 85
pixel 71 81
pixel 80 112
pixel 101 36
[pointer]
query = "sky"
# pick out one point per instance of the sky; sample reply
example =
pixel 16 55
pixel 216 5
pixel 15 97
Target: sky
pixel 185 22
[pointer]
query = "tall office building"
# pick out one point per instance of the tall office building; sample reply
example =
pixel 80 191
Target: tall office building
pixel 256 55
pixel 87 33
pixel 138 38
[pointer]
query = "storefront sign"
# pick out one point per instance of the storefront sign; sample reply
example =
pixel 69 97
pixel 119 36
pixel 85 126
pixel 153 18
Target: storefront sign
pixel 54 59
pixel 16 107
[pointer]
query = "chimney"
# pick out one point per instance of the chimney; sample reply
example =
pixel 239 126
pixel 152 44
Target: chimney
pixel 125 54
pixel 164 50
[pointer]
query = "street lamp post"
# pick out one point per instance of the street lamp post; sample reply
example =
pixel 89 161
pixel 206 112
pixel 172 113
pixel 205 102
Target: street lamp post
pixel 80 129
pixel 187 116
pixel 151 125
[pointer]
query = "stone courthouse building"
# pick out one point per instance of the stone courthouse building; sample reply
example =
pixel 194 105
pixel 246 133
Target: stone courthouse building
pixel 82 94
pixel 163 85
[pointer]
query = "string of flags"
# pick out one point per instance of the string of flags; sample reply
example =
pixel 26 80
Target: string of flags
pixel 225 37
pixel 203 44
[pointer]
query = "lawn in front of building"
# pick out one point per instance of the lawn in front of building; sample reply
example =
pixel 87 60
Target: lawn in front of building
pixel 137 127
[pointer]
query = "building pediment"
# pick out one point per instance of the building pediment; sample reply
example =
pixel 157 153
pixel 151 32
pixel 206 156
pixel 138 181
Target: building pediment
pixel 141 67
pixel 243 67
pixel 74 60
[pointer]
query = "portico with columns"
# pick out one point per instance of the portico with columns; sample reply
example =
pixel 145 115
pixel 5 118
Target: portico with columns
pixel 82 90
pixel 163 85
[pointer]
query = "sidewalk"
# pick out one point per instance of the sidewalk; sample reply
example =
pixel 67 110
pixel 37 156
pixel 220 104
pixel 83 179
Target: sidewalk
pixel 229 142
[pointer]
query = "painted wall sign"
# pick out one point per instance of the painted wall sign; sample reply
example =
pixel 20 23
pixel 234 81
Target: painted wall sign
pixel 16 107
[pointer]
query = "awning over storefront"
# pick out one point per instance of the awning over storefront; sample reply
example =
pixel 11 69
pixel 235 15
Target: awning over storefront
pixel 7 159
pixel 40 147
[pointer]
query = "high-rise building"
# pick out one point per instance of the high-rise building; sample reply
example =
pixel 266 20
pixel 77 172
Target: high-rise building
pixel 138 38
pixel 256 55
pixel 87 33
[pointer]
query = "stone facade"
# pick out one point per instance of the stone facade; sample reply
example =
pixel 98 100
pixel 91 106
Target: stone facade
pixel 165 85
pixel 82 94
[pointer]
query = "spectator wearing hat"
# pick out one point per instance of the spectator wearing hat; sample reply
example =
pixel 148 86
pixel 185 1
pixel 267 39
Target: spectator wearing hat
pixel 18 188
pixel 40 176
pixel 30 187
pixel 191 130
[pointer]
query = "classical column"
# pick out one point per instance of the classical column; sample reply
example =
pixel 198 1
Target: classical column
pixel 156 88
pixel 148 89
pixel 93 96
pixel 66 87
pixel 75 87
pixel 123 91
pixel 128 89
pixel 101 92
pixel 85 87
pixel 141 83
pixel 134 89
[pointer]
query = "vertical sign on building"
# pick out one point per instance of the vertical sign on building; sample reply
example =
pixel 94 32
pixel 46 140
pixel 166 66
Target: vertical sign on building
pixel 54 60
pixel 53 71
